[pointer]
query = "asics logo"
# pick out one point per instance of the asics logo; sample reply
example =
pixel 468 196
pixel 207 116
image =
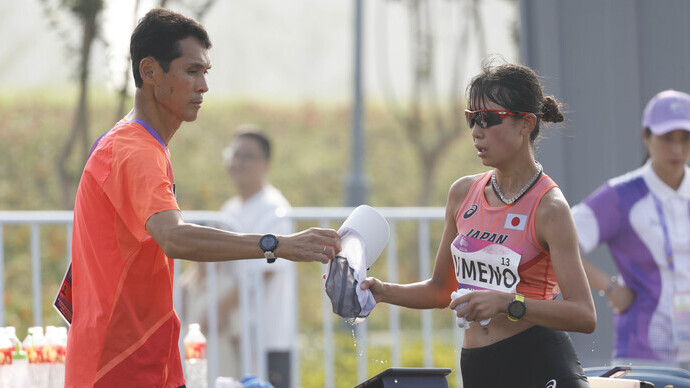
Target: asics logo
pixel 550 384
pixel 470 212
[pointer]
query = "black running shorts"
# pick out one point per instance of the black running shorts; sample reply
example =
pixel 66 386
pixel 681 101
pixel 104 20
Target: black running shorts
pixel 535 358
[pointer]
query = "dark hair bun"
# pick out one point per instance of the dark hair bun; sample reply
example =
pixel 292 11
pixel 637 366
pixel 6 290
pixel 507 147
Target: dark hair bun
pixel 551 110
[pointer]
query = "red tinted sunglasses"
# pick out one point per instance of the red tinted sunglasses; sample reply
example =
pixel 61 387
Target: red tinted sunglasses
pixel 489 117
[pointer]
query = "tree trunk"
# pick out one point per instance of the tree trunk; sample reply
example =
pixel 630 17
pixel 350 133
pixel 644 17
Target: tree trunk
pixel 429 129
pixel 79 132
pixel 203 9
pixel 427 182
pixel 123 93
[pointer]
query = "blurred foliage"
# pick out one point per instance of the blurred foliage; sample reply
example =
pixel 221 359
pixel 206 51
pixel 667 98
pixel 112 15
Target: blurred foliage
pixel 311 157
pixel 310 162
pixel 84 8
pixel 378 356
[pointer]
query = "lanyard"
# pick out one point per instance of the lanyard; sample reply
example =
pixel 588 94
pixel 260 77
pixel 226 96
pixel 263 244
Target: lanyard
pixel 664 228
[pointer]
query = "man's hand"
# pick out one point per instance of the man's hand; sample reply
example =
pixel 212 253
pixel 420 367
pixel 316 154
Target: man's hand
pixel 313 244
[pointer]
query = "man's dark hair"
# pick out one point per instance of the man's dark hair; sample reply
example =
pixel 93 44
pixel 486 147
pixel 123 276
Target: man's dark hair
pixel 158 35
pixel 254 133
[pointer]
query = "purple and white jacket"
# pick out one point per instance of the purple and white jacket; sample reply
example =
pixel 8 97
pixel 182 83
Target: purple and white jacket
pixel 644 222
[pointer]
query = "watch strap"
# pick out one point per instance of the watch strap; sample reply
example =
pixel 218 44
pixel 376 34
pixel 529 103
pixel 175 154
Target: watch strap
pixel 268 249
pixel 518 299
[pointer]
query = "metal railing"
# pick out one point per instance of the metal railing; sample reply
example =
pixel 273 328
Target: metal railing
pixel 323 217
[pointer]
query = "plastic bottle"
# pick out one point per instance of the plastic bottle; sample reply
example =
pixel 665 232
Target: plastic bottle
pixel 55 357
pixel 12 336
pixel 5 359
pixel 195 358
pixel 35 345
pixel 62 351
pixel 19 377
pixel 20 368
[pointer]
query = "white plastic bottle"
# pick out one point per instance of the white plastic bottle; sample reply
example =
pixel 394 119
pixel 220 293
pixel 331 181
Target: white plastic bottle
pixel 35 344
pixel 11 333
pixel 20 368
pixel 195 358
pixel 5 359
pixel 62 351
pixel 20 362
pixel 54 358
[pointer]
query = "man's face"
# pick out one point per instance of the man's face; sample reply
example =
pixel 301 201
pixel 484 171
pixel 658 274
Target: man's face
pixel 180 91
pixel 247 164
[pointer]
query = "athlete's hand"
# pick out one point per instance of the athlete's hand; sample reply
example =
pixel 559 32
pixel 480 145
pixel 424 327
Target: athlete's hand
pixel 313 244
pixel 375 286
pixel 481 304
pixel 620 298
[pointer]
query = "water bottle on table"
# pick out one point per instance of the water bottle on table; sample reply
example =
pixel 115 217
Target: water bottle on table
pixel 19 378
pixel 5 359
pixel 195 358
pixel 35 346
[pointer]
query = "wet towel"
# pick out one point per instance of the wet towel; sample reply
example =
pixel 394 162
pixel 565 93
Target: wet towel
pixel 462 322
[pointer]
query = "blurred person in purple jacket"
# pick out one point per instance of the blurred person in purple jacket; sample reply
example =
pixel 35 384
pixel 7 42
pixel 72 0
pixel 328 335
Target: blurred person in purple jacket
pixel 644 218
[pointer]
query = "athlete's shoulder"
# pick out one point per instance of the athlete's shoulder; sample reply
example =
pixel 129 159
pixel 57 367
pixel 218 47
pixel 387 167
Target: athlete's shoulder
pixel 553 205
pixel 131 140
pixel 461 187
pixel 458 192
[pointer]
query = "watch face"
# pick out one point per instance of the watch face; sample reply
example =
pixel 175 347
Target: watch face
pixel 516 309
pixel 268 242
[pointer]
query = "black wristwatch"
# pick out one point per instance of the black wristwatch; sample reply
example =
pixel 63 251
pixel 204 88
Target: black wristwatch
pixel 517 308
pixel 268 244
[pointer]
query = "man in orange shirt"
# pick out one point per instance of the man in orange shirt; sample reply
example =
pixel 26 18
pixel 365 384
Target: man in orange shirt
pixel 127 224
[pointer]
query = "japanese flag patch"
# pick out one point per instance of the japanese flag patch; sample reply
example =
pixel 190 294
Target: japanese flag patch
pixel 515 221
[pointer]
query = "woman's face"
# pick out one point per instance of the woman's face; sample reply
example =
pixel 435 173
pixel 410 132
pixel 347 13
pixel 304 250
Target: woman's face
pixel 500 142
pixel 669 152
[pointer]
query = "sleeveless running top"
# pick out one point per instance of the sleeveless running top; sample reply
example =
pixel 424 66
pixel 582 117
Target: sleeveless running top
pixel 482 226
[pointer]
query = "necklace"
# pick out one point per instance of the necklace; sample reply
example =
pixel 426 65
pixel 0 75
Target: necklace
pixel 509 201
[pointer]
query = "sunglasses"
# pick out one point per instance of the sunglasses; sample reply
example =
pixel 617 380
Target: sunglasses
pixel 489 117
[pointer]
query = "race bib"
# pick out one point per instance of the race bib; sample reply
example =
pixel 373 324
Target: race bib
pixel 480 264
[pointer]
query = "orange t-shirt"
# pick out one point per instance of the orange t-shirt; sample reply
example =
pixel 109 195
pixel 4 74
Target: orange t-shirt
pixel 124 330
pixel 511 226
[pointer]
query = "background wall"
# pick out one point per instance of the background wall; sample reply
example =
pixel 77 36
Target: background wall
pixel 604 60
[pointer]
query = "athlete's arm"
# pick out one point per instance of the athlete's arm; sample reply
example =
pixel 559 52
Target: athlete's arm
pixel 555 229
pixel 181 240
pixel 434 292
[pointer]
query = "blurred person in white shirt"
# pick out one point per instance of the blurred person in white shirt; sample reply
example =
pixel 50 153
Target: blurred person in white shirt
pixel 264 291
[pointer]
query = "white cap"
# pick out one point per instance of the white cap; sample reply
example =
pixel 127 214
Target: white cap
pixel 372 227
